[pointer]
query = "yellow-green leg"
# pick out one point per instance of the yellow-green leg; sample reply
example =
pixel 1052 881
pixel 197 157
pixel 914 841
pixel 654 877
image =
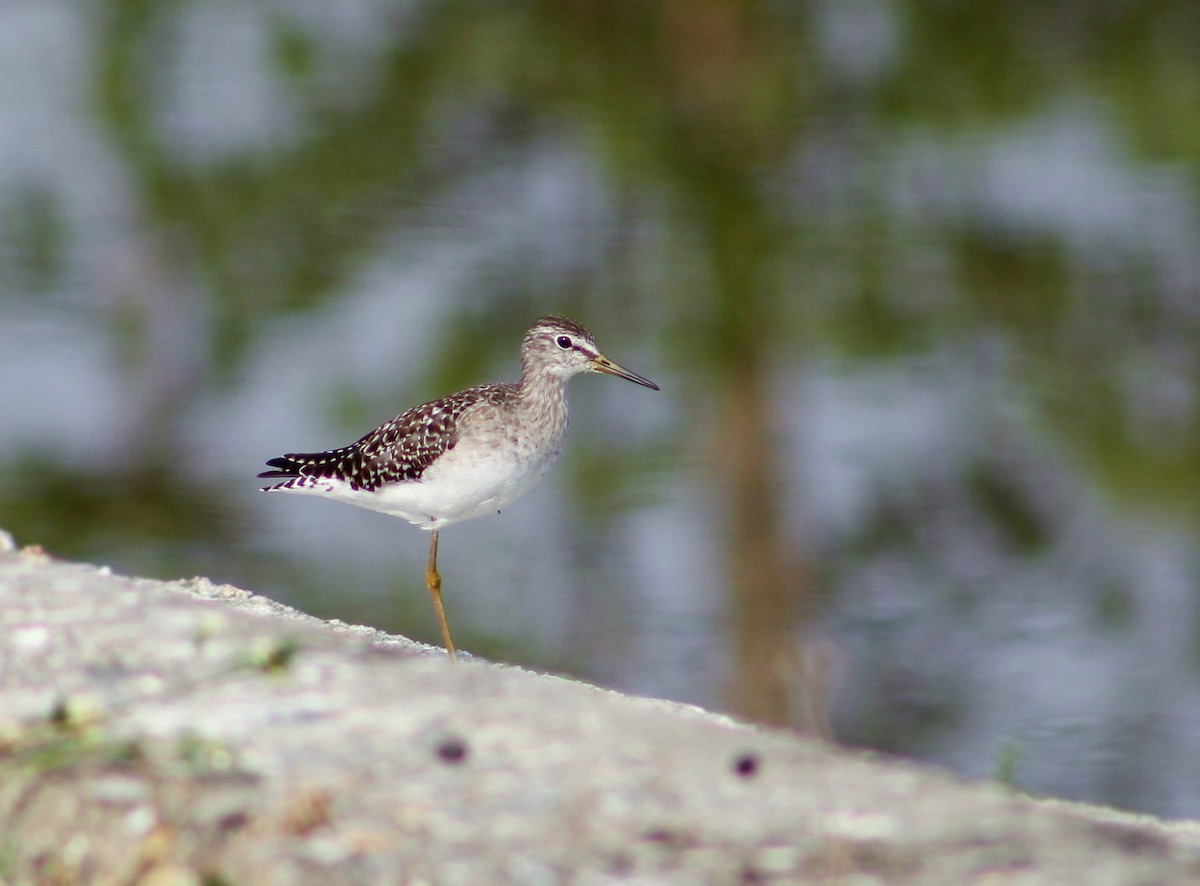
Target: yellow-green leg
pixel 433 581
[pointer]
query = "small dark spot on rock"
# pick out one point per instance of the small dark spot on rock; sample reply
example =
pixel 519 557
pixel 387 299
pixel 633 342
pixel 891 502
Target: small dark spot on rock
pixel 58 714
pixel 666 837
pixel 451 750
pixel 746 764
pixel 751 877
pixel 276 655
pixel 234 821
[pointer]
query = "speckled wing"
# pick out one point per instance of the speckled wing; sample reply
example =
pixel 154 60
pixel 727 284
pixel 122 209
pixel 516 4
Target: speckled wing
pixel 397 451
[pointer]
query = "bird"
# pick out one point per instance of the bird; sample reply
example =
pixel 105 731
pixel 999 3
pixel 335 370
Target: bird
pixel 463 455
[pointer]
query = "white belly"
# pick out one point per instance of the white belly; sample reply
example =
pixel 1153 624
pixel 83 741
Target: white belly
pixel 453 488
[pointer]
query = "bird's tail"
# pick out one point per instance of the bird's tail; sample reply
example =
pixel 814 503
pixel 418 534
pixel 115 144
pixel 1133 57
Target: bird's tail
pixel 288 465
pixel 312 470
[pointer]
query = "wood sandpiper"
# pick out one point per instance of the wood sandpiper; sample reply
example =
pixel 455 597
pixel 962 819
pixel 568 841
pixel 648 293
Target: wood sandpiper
pixel 461 456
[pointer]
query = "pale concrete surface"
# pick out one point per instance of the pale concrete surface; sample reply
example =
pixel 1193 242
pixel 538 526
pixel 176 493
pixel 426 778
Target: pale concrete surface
pixel 186 733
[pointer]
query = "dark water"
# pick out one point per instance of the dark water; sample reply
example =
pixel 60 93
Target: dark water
pixel 920 282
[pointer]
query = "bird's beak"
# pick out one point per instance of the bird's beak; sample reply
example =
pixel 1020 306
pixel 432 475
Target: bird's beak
pixel 600 363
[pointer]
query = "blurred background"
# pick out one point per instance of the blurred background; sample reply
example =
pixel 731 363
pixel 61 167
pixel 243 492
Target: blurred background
pixel 920 282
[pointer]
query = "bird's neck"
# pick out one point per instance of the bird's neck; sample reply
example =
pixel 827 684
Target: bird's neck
pixel 542 396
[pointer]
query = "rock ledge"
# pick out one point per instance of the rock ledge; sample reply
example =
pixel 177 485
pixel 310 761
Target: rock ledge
pixel 187 733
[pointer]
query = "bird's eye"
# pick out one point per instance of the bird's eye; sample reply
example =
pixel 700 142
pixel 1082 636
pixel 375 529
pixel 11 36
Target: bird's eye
pixel 564 341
